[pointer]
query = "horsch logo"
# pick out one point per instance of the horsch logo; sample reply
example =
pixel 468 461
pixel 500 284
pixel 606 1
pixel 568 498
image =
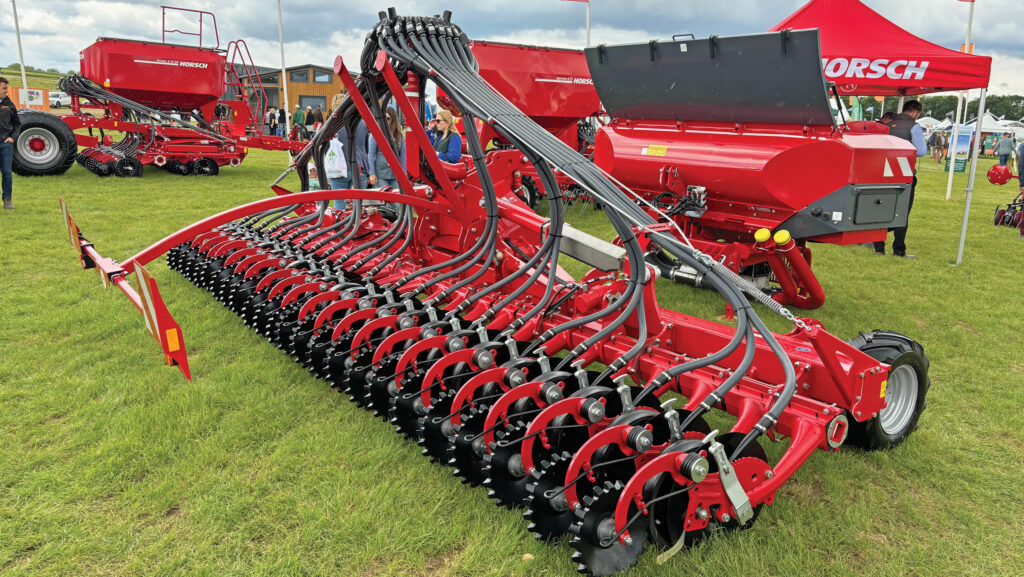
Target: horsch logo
pixel 879 68
pixel 178 63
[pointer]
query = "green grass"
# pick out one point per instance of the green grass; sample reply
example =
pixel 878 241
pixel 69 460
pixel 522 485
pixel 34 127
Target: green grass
pixel 112 463
pixel 36 78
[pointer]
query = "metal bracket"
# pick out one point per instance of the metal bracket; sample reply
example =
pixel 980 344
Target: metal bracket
pixel 730 482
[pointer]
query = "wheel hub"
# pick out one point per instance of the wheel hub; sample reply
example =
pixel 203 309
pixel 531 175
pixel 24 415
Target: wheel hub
pixel 900 398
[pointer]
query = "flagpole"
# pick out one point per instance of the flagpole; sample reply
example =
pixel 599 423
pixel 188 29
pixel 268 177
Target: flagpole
pixel 284 77
pixel 588 23
pixel 21 57
pixel 960 105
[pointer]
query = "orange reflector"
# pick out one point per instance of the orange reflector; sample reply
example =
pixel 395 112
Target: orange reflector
pixel 173 344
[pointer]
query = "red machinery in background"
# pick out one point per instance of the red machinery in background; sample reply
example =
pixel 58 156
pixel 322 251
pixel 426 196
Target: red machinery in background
pixel 188 109
pixel 1010 214
pixel 550 85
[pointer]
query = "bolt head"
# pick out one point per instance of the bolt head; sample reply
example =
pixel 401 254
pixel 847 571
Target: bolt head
pixel 628 540
pixel 726 518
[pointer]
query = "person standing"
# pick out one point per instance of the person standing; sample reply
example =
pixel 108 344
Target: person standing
pixel 905 126
pixel 940 147
pixel 298 120
pixel 362 152
pixel 1004 148
pixel 318 118
pixel 10 128
pixel 445 138
pixel 1020 166
pixel 381 173
pixel 271 121
pixel 282 120
pixel 336 166
pixel 310 121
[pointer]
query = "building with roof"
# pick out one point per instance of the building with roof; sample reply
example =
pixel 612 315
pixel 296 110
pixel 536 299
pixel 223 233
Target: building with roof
pixel 308 85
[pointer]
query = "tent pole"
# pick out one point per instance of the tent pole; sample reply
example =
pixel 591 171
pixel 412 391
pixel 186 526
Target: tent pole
pixel 899 106
pixel 970 180
pixel 951 147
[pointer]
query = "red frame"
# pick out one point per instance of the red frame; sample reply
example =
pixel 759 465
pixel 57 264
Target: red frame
pixel 834 378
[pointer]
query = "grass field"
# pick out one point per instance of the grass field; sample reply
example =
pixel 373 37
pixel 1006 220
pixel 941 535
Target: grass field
pixel 112 464
pixel 36 78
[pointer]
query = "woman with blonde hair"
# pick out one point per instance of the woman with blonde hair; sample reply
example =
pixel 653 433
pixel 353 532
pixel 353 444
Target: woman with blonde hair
pixel 444 136
pixel 379 169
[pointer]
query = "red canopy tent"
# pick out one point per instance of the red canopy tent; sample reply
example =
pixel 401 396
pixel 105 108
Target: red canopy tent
pixel 865 54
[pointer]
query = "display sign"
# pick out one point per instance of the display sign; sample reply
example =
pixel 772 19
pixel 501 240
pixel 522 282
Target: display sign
pixel 960 150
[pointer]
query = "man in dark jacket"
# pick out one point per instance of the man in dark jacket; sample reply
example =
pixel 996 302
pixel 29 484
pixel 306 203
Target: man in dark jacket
pixel 10 127
pixel 905 126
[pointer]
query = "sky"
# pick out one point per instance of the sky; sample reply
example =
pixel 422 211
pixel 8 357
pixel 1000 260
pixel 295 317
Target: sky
pixel 315 31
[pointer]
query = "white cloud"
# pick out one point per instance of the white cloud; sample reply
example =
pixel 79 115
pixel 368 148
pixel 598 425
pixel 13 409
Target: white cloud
pixel 54 31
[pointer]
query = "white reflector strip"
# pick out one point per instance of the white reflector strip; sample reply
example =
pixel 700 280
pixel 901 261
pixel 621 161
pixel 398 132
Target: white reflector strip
pixel 905 166
pixel 888 169
pixel 148 312
pixel 67 224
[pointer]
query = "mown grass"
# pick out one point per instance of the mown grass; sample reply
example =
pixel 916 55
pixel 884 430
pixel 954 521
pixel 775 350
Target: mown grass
pixel 111 463
pixel 36 78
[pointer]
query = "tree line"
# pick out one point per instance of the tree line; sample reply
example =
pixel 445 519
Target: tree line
pixel 1010 107
pixel 16 67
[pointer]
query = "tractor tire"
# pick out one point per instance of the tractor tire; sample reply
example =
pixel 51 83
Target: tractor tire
pixel 1000 213
pixel 46 145
pixel 905 390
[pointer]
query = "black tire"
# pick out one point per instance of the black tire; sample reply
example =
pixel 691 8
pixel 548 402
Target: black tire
pixel 905 392
pixel 46 145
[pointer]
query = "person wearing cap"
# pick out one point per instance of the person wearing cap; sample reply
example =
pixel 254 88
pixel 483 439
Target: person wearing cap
pixel 1004 148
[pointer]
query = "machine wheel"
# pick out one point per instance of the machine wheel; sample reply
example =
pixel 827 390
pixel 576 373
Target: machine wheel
pixel 206 167
pixel 45 146
pixel 128 167
pixel 905 390
pixel 181 168
pixel 105 168
pixel 1000 212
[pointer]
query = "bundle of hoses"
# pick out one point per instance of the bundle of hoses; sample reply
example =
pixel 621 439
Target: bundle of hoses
pixel 122 158
pixel 340 294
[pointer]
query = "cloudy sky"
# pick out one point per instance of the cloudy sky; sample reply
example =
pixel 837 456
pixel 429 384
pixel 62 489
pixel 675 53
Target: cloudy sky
pixel 53 31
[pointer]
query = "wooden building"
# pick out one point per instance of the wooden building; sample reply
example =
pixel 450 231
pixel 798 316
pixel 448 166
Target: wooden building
pixel 308 85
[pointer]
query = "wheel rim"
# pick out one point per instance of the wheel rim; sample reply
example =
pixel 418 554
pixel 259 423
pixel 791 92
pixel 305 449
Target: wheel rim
pixel 900 400
pixel 38 145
